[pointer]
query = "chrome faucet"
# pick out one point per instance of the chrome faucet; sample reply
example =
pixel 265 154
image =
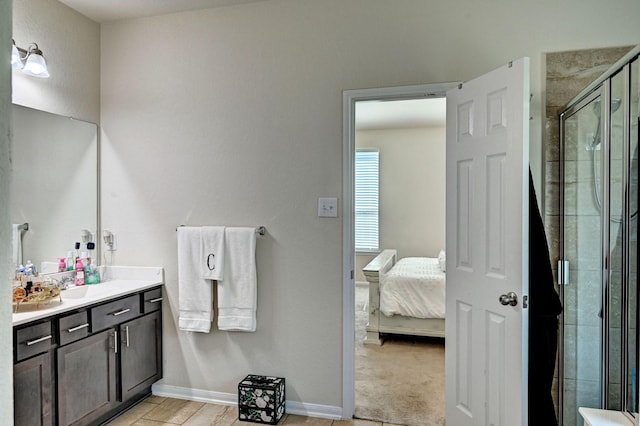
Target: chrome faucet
pixel 63 284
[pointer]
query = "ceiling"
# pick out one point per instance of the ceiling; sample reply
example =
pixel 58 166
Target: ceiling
pixel 370 115
pixel 376 115
pixel 113 10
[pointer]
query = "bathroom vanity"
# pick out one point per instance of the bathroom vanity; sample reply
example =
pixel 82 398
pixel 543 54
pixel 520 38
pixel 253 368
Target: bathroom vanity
pixel 92 356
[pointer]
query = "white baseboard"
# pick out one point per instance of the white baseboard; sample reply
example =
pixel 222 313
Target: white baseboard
pixel 292 407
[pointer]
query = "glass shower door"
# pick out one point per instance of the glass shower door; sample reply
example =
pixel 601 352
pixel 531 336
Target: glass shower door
pixel 580 380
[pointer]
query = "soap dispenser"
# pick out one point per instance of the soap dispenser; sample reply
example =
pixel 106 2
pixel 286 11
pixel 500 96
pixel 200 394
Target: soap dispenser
pixel 70 262
pixel 79 272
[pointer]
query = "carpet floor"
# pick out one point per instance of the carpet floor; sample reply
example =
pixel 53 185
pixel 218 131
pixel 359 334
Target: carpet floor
pixel 400 382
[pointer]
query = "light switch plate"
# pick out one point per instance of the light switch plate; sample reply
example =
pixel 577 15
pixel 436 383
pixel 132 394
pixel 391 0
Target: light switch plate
pixel 327 207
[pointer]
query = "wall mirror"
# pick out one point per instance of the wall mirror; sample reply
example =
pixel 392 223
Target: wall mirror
pixel 55 184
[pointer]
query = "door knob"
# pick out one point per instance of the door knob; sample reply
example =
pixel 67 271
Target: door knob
pixel 509 299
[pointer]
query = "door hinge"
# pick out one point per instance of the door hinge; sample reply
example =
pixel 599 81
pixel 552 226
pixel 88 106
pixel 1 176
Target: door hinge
pixel 563 272
pixel 525 302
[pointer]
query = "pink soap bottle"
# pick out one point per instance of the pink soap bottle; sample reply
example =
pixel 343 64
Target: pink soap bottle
pixel 62 265
pixel 79 272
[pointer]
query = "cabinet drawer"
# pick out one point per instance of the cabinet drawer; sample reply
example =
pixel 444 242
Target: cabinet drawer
pixel 112 313
pixel 73 327
pixel 33 340
pixel 152 300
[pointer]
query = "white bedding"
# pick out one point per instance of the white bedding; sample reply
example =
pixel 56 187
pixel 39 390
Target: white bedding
pixel 413 287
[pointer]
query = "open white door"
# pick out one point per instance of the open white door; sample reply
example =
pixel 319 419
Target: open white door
pixel 487 248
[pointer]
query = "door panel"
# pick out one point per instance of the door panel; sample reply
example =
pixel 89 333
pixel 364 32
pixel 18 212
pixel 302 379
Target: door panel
pixel 141 353
pixel 87 379
pixel 487 239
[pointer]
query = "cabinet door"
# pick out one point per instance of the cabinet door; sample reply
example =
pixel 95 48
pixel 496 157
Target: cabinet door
pixel 87 378
pixel 33 391
pixel 141 353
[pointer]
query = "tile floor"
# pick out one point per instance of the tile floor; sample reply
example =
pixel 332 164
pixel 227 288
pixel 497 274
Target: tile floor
pixel 157 411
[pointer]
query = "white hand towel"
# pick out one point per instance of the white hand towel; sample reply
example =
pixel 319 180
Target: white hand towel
pixel 212 252
pixel 195 293
pixel 17 245
pixel 238 291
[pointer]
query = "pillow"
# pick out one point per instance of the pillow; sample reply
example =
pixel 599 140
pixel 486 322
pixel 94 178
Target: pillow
pixel 442 260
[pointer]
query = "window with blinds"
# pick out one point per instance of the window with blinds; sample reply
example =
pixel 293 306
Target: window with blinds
pixel 367 172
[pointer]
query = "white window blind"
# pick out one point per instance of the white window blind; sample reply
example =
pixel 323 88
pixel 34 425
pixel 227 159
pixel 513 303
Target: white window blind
pixel 366 203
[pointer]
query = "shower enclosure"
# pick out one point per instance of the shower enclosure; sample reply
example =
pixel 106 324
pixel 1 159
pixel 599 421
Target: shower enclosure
pixel 597 272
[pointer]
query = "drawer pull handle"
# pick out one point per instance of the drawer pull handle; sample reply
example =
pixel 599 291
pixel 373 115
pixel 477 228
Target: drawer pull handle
pixel 42 339
pixel 156 300
pixel 124 311
pixel 79 327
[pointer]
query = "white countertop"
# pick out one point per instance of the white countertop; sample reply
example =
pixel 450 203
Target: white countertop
pixel 596 417
pixel 120 282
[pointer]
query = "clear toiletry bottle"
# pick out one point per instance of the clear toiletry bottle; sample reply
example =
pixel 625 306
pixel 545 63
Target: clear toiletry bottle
pixel 92 276
pixel 70 261
pixel 30 269
pixel 79 272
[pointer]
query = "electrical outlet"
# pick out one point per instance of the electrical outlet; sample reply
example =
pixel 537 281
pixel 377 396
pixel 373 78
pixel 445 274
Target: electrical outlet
pixel 327 207
pixel 110 240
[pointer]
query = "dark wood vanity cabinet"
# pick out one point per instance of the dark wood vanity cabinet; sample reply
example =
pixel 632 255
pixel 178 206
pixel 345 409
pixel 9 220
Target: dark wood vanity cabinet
pixel 87 379
pixel 83 367
pixel 140 354
pixel 33 378
pixel 33 391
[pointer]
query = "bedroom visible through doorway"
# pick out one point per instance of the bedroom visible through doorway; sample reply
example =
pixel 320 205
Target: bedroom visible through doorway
pixel 407 132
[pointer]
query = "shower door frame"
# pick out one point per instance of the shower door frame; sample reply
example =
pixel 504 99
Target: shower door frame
pixel 601 88
pixel 565 115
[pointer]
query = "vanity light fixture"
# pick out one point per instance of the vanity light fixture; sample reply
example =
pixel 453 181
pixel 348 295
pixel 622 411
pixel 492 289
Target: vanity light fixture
pixel 30 61
pixel 16 61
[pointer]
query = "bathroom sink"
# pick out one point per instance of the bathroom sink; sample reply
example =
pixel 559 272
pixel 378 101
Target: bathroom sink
pixel 75 292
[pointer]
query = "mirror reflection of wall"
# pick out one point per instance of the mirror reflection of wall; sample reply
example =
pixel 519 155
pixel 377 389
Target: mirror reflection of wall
pixel 55 182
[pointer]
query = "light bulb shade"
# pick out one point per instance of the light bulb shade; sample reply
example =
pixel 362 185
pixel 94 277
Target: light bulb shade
pixel 16 62
pixel 36 65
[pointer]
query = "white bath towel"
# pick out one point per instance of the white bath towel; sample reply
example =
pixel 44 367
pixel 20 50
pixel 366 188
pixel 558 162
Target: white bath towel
pixel 17 245
pixel 212 252
pixel 238 291
pixel 195 293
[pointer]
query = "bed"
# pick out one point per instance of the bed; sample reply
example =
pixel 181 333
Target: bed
pixel 406 296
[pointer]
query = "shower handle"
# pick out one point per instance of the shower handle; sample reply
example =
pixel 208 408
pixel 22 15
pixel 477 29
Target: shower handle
pixel 509 299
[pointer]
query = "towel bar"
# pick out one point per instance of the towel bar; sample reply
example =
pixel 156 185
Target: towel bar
pixel 24 226
pixel 260 230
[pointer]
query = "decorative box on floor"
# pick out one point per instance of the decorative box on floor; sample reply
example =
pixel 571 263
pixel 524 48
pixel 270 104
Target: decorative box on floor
pixel 261 399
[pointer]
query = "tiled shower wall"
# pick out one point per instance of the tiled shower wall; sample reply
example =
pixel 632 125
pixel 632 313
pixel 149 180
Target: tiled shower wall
pixel 567 73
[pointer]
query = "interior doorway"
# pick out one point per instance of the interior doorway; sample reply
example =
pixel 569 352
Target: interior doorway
pixel 393 107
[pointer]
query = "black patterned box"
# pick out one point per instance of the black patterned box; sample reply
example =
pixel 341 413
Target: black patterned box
pixel 261 399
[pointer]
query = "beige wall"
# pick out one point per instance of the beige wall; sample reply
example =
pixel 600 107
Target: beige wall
pixel 6 354
pixel 71 46
pixel 412 190
pixel 234 116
